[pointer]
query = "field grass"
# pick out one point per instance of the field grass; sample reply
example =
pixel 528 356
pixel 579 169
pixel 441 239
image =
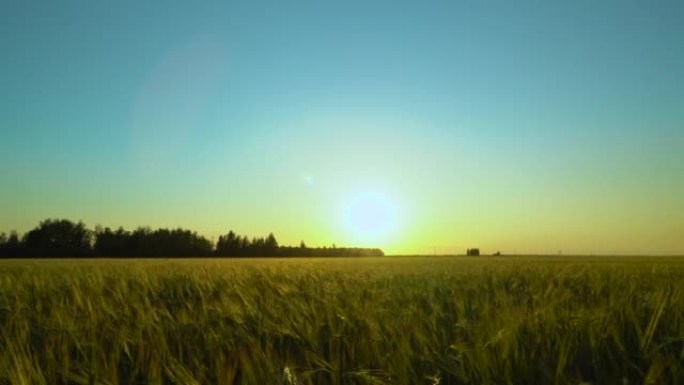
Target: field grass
pixel 448 320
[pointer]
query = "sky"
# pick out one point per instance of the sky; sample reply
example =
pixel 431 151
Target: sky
pixel 419 127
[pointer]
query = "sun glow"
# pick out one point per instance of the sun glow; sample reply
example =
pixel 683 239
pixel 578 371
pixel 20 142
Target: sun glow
pixel 371 218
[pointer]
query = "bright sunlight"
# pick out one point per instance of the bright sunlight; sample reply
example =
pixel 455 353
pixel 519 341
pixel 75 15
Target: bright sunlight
pixel 371 218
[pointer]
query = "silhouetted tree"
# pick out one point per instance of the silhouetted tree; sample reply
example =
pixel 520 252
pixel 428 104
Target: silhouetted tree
pixel 271 245
pixel 11 246
pixel 245 246
pixel 144 242
pixel 110 243
pixel 228 245
pixel 58 238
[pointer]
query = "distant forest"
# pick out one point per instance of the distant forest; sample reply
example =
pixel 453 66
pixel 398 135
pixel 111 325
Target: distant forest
pixel 62 238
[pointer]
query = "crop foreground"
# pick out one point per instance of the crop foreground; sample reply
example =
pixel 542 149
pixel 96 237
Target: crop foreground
pixel 417 320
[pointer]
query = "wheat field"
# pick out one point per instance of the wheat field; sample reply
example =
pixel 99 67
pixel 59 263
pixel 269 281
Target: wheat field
pixel 391 320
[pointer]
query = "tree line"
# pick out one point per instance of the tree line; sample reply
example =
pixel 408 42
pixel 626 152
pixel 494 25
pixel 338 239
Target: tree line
pixel 61 238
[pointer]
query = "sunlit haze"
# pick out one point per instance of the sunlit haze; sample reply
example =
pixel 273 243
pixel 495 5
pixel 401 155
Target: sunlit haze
pixel 417 127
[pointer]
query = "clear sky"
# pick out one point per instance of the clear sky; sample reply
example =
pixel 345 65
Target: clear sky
pixel 418 127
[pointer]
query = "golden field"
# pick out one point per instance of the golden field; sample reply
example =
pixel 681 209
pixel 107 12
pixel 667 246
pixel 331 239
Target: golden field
pixel 390 320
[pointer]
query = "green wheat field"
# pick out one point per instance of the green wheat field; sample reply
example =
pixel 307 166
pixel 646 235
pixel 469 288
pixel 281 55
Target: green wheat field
pixel 391 320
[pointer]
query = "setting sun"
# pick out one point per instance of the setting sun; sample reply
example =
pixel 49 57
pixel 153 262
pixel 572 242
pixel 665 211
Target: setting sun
pixel 371 218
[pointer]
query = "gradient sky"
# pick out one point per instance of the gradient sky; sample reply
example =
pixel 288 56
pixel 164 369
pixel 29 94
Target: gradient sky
pixel 418 127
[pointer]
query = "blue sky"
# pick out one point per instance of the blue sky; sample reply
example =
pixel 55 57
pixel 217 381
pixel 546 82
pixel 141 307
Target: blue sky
pixel 523 125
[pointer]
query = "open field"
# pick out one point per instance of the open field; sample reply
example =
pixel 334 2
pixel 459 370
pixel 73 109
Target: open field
pixel 413 320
